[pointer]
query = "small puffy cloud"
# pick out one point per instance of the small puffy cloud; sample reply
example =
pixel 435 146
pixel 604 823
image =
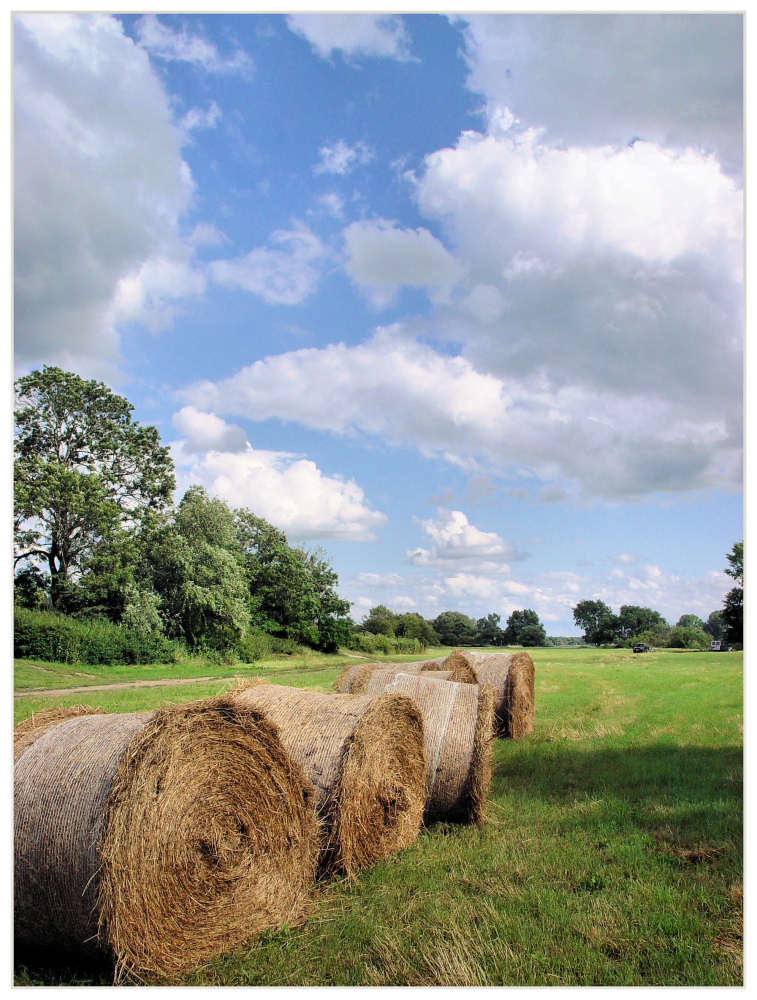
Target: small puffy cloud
pixel 354 35
pixel 178 44
pixel 286 272
pixel 198 118
pixel 289 491
pixel 382 257
pixel 207 432
pixel 625 557
pixel 331 204
pixel 342 158
pixel 453 537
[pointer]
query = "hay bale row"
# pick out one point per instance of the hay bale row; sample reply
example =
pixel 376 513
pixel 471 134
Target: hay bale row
pixel 166 838
pixel 162 838
pixel 458 721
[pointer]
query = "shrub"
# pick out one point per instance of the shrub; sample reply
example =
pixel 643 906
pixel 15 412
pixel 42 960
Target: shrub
pixel 49 636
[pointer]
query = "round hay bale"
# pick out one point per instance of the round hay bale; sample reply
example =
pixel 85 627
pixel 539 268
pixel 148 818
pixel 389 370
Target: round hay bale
pixel 458 727
pixel 352 674
pixel 31 728
pixel 354 679
pixel 511 676
pixel 163 838
pixel 364 757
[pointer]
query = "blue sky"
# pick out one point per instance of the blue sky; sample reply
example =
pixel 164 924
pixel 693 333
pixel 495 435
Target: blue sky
pixel 459 299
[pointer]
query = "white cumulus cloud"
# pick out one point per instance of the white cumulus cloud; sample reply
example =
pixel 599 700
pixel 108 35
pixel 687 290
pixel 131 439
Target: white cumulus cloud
pixel 382 257
pixel 286 272
pixel 179 44
pixel 207 432
pixel 341 158
pixel 115 187
pixel 354 35
pixel 288 490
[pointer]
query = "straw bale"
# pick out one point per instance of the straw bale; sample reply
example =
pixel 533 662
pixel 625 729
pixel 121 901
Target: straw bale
pixel 364 757
pixel 511 676
pixel 458 727
pixel 162 838
pixel 31 728
pixel 354 679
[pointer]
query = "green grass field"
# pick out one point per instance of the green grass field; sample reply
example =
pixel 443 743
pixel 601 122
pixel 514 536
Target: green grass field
pixel 612 854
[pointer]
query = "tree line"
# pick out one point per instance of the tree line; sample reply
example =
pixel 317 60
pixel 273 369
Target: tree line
pixel 634 624
pixel 453 628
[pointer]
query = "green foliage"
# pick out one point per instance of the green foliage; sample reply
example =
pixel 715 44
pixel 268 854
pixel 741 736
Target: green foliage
pixel 597 621
pixel 715 626
pixel 634 620
pixel 532 635
pixel 380 621
pixel 690 621
pixel 658 636
pixel 377 642
pixel 82 469
pixel 455 629
pixel 683 637
pixel 30 589
pixel 525 629
pixel 198 574
pixel 50 636
pixel 488 631
pixel 414 626
pixel 733 609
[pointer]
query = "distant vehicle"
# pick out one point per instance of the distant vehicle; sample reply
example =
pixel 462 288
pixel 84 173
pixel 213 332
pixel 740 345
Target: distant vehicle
pixel 719 646
pixel 641 647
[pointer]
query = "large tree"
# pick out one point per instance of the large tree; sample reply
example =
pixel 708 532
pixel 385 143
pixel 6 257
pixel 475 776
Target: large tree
pixel 520 620
pixel 455 629
pixel 83 468
pixel 197 573
pixel 733 609
pixel 633 620
pixel 291 592
pixel 489 632
pixel 597 620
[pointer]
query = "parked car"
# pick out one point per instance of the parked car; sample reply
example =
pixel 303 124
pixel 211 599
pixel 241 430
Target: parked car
pixel 720 646
pixel 641 647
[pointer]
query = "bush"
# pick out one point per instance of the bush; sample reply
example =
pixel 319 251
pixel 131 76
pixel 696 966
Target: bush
pixel 376 642
pixel 688 638
pixel 46 635
pixel 255 645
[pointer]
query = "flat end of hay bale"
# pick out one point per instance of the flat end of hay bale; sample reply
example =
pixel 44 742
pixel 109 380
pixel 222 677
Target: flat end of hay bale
pixel 520 696
pixel 226 845
pixel 354 677
pixel 382 788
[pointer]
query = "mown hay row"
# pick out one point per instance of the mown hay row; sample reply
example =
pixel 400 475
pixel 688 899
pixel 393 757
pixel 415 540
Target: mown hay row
pixel 511 676
pixel 365 758
pixel 458 727
pixel 163 838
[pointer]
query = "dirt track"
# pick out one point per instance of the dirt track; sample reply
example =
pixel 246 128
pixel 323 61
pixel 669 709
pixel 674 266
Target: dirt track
pixel 39 692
